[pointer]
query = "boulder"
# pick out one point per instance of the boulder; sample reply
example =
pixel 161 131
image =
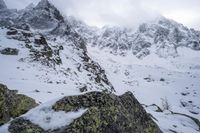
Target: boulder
pixel 9 51
pixel 24 126
pixel 12 104
pixel 106 113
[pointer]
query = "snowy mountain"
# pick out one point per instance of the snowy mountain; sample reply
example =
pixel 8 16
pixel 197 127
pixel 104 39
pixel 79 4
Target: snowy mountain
pixel 163 34
pixel 57 50
pixel 43 16
pixel 75 73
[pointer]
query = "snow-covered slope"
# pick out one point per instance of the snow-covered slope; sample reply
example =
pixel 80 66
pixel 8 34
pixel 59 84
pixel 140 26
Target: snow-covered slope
pixel 167 74
pixel 58 58
pixel 157 81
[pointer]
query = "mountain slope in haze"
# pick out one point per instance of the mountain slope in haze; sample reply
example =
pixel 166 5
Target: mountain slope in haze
pixel 163 34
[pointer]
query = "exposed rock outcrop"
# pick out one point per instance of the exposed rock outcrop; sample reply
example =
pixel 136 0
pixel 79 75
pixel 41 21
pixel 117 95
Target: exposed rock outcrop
pixel 9 51
pixel 106 113
pixel 12 104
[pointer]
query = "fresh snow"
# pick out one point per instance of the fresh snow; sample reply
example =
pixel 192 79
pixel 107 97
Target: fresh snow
pixel 143 77
pixel 48 119
pixel 4 128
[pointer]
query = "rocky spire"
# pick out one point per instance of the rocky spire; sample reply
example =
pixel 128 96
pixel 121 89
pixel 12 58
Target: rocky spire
pixel 44 3
pixel 2 5
pixel 44 14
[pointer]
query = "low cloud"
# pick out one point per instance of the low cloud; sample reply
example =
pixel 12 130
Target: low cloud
pixel 124 12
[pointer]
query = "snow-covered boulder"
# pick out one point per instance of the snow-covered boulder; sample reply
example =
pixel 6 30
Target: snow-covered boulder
pixel 105 113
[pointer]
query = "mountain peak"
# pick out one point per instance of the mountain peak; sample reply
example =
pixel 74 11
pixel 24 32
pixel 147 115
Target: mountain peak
pixel 43 3
pixel 2 5
pixel 45 16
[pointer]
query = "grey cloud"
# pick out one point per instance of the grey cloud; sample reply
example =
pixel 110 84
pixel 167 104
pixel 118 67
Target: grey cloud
pixel 124 12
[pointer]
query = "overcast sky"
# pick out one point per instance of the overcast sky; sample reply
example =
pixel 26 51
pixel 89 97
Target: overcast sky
pixel 124 12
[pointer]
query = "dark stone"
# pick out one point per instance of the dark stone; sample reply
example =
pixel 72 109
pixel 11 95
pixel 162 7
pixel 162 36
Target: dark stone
pixel 27 34
pixel 41 41
pixel 21 125
pixel 9 51
pixel 185 93
pixel 61 48
pixel 23 26
pixel 12 32
pixel 83 89
pixel 162 79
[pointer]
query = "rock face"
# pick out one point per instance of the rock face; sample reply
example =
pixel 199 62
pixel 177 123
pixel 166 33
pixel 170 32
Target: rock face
pixel 12 104
pixel 107 113
pixel 21 125
pixel 44 16
pixel 55 42
pixel 164 34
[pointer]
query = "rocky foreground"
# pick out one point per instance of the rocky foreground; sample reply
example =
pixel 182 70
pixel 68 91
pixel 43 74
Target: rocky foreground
pixel 13 105
pixel 106 113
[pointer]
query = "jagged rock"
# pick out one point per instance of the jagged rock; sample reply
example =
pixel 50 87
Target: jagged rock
pixel 12 104
pixel 107 113
pixel 9 51
pixel 12 32
pixel 40 40
pixel 167 35
pixel 162 79
pixel 65 31
pixel 81 27
pixel 24 126
pixel 99 74
pixel 47 55
pixel 114 38
pixel 83 89
pixel 44 16
pixel 23 26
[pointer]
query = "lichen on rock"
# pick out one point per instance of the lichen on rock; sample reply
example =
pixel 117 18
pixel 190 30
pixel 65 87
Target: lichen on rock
pixel 106 113
pixel 12 104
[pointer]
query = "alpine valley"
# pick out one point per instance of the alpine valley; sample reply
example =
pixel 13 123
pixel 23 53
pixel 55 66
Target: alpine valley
pixel 60 75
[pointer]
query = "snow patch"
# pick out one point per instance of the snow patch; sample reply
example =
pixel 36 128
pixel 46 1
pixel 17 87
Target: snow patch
pixel 4 128
pixel 48 119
